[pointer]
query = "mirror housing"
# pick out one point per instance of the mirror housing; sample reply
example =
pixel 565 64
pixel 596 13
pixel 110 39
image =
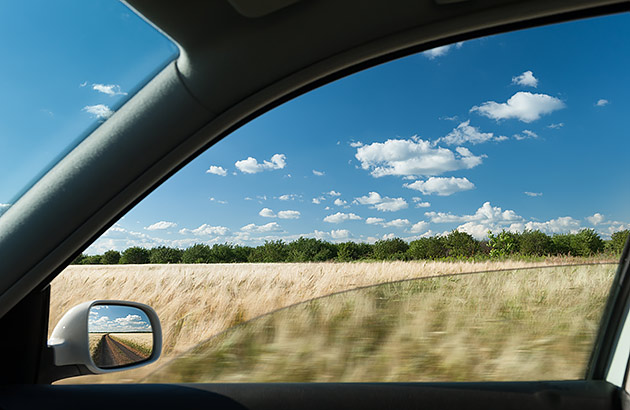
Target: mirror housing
pixel 70 343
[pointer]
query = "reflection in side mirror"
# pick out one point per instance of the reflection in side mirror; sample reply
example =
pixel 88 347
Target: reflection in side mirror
pixel 119 335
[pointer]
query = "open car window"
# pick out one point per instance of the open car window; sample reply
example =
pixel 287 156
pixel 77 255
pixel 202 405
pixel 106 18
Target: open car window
pixel 501 156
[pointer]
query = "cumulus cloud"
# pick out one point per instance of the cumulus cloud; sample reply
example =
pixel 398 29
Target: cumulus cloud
pixel 109 89
pixel 420 203
pixel 381 203
pixel 441 51
pixel 287 197
pixel 419 227
pixel 205 229
pixel 160 226
pixel 486 213
pixel 252 166
pixel 596 218
pixel 601 103
pixel 555 126
pixel 100 111
pixel 441 186
pixel 289 214
pixel 524 106
pixel 413 157
pixel 217 170
pixel 396 223
pixel 318 173
pixel 558 225
pixel 270 227
pixel 533 194
pixel 526 79
pixel 267 213
pixel 526 134
pixel 341 217
pixel 466 133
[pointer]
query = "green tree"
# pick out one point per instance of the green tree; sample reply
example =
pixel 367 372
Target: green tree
pixel 91 260
pixel 110 257
pixel 617 242
pixel 427 248
pixel 535 243
pixel 394 248
pixel 311 250
pixel 198 253
pixel 135 255
pixel 586 243
pixel 164 255
pixel 503 244
pixel 270 251
pixel 461 244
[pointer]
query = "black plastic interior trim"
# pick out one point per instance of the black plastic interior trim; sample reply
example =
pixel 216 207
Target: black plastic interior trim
pixel 573 395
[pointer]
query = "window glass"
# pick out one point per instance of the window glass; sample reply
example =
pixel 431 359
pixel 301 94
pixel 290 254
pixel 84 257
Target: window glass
pixel 494 155
pixel 68 66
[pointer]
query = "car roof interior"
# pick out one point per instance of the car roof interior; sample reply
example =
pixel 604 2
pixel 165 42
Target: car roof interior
pixel 238 59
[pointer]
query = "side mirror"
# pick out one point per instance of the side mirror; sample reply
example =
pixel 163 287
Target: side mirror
pixel 105 336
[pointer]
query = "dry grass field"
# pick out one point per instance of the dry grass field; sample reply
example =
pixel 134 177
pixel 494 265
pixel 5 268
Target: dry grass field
pixel 196 302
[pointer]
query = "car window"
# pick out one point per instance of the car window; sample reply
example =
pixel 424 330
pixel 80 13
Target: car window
pixel 70 65
pixel 466 201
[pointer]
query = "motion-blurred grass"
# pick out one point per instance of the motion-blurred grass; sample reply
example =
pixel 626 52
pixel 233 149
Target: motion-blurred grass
pixel 523 324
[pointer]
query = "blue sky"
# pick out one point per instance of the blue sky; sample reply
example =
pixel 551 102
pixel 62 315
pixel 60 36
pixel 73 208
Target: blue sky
pixel 524 130
pixel 114 318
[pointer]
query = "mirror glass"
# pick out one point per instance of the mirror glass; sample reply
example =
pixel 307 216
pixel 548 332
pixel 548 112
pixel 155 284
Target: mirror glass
pixel 119 335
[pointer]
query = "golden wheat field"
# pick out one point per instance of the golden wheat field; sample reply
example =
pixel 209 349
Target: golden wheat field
pixel 196 302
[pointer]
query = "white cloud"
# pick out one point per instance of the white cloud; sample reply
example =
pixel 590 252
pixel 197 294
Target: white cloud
pixel 441 51
pixel 413 157
pixel 533 194
pixel 465 132
pixel 318 173
pixel 161 225
pixel 341 217
pixel 527 134
pixel 601 103
pixel 524 106
pixel 486 213
pixel 555 126
pixel 267 213
pixel 206 229
pixel 340 202
pixel 441 186
pixel 383 204
pixel 396 223
pixel 558 225
pixel 420 203
pixel 287 197
pixel 290 214
pixel 270 227
pixel 217 170
pixel 374 221
pixel 109 89
pixel 526 79
pixel 596 218
pixel 340 234
pixel 99 110
pixel 419 227
pixel 252 166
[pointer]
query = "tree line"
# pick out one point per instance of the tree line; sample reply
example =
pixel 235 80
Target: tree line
pixel 455 245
